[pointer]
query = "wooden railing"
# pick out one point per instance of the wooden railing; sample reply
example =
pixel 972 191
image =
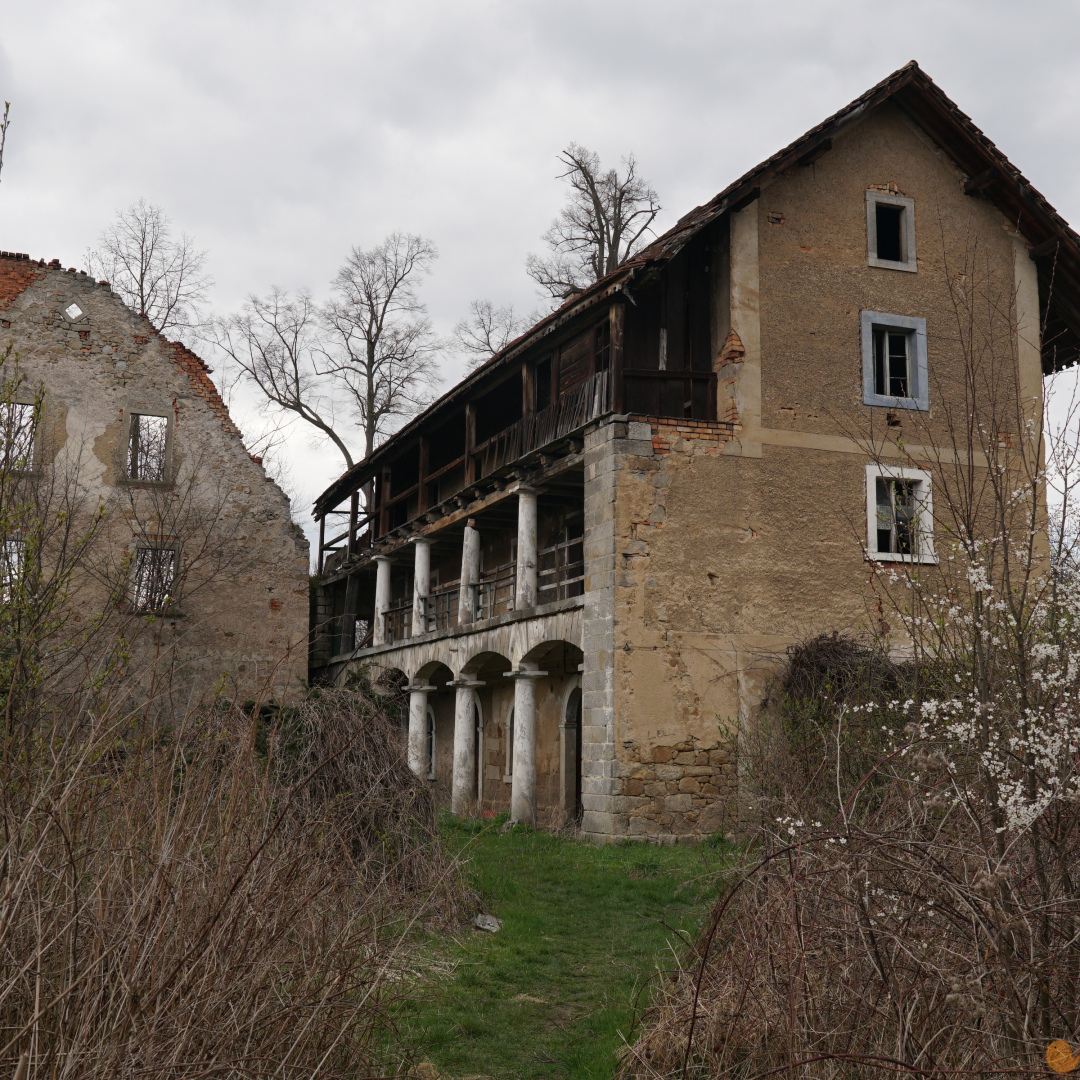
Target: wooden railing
pixel 573 410
pixel 441 606
pixel 398 620
pixel 495 591
pixel 560 571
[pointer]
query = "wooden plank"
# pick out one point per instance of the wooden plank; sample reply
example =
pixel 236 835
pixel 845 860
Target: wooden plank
pixel 617 322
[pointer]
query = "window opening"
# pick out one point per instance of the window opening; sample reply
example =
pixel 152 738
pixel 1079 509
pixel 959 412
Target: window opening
pixel 146 447
pixel 18 436
pixel 897 516
pixel 543 384
pixel 11 568
pixel 889 221
pixel 155 575
pixel 892 362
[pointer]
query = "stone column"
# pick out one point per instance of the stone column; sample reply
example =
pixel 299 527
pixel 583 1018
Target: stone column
pixel 525 593
pixel 418 759
pixel 470 573
pixel 523 778
pixel 421 583
pixel 382 598
pixel 463 789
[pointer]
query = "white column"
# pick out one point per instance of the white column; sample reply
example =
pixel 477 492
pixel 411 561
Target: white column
pixel 470 573
pixel 418 757
pixel 421 583
pixel 382 598
pixel 523 778
pixel 462 788
pixel 525 593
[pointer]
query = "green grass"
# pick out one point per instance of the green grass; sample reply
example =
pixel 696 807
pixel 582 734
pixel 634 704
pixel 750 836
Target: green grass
pixel 556 990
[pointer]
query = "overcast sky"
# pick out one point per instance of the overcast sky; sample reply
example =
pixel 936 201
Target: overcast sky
pixel 279 134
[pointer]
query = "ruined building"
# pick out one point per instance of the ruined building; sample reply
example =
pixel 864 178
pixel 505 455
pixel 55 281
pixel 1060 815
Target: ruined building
pixel 581 559
pixel 195 558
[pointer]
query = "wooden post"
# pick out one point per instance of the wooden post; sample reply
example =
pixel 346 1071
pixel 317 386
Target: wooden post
pixel 322 539
pixel 470 442
pixel 422 492
pixel 617 318
pixel 528 390
pixel 354 514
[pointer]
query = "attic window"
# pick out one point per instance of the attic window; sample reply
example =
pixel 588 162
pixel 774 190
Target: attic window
pixel 890 231
pixel 73 312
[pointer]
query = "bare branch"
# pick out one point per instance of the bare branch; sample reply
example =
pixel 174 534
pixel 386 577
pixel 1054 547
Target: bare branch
pixel 487 330
pixel 276 342
pixel 605 220
pixel 384 343
pixel 159 276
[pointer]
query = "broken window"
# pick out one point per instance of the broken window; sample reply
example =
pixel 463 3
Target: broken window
pixel 900 513
pixel 11 567
pixel 890 229
pixel 147 441
pixel 155 578
pixel 17 422
pixel 894 361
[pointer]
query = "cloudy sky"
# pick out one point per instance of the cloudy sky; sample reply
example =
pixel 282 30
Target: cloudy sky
pixel 279 134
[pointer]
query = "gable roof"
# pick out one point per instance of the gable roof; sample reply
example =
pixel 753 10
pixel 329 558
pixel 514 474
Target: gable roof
pixel 989 173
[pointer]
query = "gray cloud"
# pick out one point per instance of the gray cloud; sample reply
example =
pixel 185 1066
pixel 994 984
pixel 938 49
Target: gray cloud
pixel 279 134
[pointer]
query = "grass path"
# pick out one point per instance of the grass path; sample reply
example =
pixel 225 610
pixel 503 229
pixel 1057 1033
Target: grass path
pixel 552 994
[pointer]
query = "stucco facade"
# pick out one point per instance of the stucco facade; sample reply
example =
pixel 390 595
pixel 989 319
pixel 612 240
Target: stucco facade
pixel 726 482
pixel 230 613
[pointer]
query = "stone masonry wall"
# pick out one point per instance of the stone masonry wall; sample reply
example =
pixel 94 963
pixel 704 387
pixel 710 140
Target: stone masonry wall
pixel 241 616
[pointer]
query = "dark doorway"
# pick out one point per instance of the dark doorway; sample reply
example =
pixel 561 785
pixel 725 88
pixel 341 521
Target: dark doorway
pixel 572 758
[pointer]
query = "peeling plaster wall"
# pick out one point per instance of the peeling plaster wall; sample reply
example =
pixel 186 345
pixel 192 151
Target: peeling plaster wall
pixel 731 540
pixel 246 605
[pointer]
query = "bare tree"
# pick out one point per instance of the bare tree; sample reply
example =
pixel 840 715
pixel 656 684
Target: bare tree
pixel 487 330
pixel 605 220
pixel 382 335
pixel 3 132
pixel 159 275
pixel 279 344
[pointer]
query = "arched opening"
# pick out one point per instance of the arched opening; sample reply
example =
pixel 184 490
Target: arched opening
pixel 490 701
pixel 571 731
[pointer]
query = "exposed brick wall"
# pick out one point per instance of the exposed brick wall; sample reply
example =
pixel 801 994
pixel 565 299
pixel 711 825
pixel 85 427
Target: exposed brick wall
pixel 691 436
pixel 17 272
pixel 199 376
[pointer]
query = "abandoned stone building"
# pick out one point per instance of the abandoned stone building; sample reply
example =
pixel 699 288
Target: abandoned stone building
pixel 194 549
pixel 581 561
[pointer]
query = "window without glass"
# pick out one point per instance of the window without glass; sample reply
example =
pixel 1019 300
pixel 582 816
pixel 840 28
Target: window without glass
pixel 147 440
pixel 11 567
pixel 890 231
pixel 155 578
pixel 900 525
pixel 17 432
pixel 894 361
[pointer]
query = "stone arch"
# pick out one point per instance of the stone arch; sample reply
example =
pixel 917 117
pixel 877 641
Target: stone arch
pixel 562 656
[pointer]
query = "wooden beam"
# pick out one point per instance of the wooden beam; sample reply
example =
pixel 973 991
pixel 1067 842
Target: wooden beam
pixel 982 181
pixel 1047 247
pixel 617 323
pixel 815 152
